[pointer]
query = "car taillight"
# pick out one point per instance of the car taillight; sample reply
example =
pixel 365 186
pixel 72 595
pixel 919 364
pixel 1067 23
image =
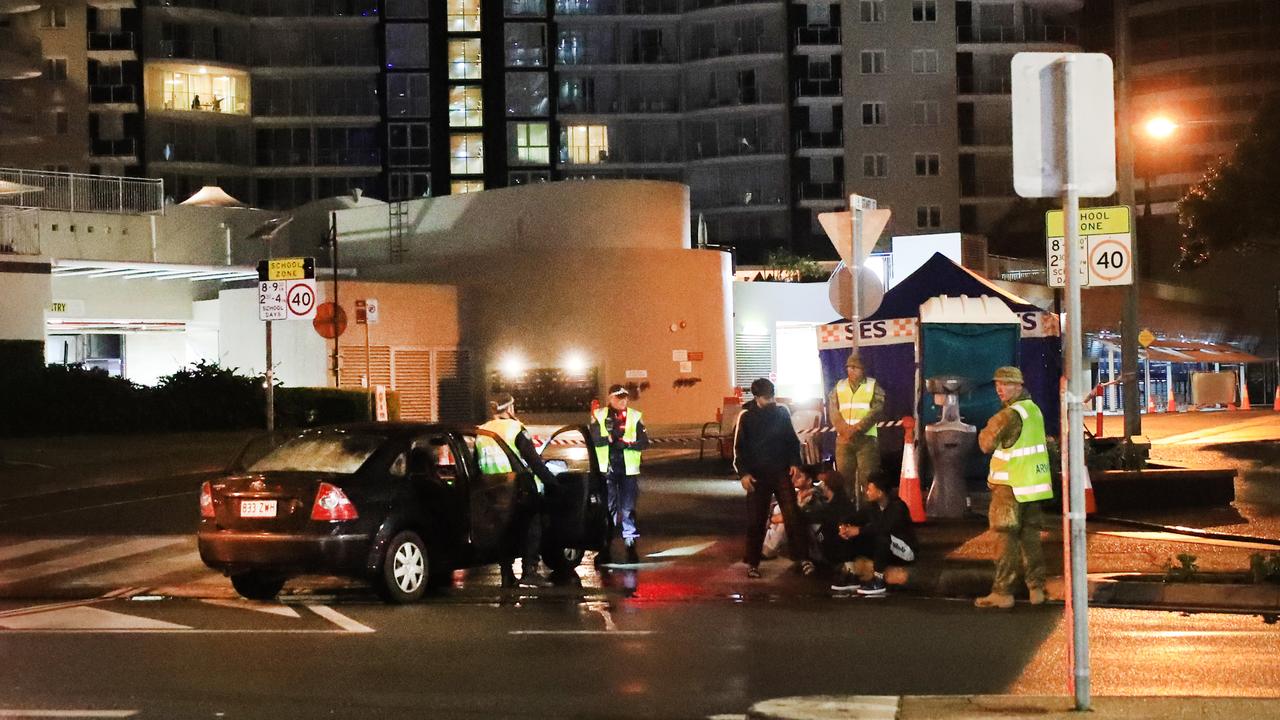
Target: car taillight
pixel 206 500
pixel 332 505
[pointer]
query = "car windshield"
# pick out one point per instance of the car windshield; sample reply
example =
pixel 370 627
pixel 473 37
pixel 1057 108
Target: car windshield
pixel 341 454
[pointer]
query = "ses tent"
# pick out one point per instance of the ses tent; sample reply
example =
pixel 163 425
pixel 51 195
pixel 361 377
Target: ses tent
pixel 976 328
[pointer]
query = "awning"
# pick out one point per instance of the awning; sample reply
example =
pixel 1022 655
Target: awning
pixel 212 196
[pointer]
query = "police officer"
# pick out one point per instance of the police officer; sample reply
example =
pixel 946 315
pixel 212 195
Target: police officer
pixel 618 433
pixel 495 461
pixel 1019 479
pixel 855 405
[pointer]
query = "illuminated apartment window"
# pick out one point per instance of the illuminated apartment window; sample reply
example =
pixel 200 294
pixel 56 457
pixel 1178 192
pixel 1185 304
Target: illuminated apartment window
pixel 464 59
pixel 532 146
pixel 587 144
pixel 458 187
pixel 466 154
pixel 464 15
pixel 199 90
pixel 465 106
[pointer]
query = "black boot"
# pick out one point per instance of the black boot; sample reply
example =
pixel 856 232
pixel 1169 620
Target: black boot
pixel 605 556
pixel 633 555
pixel 508 576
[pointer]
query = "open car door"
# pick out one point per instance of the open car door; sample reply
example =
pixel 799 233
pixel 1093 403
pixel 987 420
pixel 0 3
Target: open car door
pixel 579 511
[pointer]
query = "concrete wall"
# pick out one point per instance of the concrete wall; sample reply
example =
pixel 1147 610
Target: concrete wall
pixel 26 283
pixel 597 214
pixel 765 304
pixel 300 354
pixel 108 298
pixel 150 355
pixel 182 235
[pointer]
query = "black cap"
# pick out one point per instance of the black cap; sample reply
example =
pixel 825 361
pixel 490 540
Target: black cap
pixel 762 387
pixel 616 389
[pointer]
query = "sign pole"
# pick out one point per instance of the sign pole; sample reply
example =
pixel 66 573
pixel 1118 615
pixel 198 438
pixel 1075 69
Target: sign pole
pixel 368 369
pixel 271 382
pixel 855 262
pixel 1075 418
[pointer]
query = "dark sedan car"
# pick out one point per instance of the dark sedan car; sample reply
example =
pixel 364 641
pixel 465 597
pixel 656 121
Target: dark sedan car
pixel 401 505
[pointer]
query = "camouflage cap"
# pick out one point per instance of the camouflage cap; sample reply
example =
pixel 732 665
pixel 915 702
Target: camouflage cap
pixel 1008 374
pixel 853 361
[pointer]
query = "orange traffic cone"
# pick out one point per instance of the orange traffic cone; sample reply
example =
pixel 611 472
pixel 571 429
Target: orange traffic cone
pixel 1244 397
pixel 1173 404
pixel 1276 405
pixel 909 480
pixel 1090 505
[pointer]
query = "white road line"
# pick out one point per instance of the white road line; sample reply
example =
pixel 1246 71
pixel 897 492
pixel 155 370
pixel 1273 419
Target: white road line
pixel 269 608
pixel 31 547
pixel 1191 539
pixel 339 619
pixel 145 573
pixel 580 632
pixel 685 551
pixel 1203 435
pixel 15 713
pixel 166 631
pixel 113 551
pixel 84 618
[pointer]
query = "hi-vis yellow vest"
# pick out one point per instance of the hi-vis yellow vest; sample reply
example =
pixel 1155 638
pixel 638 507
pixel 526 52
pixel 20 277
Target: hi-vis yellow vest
pixel 493 459
pixel 1025 466
pixel 631 458
pixel 855 405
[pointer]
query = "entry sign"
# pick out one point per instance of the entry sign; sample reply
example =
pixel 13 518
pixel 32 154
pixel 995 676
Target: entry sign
pixel 1106 245
pixel 1038 103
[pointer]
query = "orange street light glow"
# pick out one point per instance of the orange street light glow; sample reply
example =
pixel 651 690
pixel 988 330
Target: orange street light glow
pixel 1160 127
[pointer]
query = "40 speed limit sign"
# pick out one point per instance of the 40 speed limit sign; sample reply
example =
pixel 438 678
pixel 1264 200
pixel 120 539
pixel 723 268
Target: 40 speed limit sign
pixel 1106 247
pixel 287 289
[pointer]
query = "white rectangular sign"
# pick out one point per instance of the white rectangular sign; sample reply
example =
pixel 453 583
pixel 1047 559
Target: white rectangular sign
pixel 287 299
pixel 371 311
pixel 1038 108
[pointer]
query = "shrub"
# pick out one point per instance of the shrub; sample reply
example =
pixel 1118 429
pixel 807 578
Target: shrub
pixel 207 396
pixel 307 407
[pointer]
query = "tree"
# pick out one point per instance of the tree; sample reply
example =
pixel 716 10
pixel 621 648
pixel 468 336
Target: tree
pixel 1234 206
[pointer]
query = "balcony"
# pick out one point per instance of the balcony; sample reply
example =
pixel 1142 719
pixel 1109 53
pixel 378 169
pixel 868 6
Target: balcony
pixel 617 7
pixel 629 155
pixel 817 36
pixel 237 7
pixel 611 106
pixel 755 198
pixel 20 56
pixel 726 47
pixel 829 191
pixel 234 54
pixel 108 94
pixel 983 84
pixel 827 88
pixel 1019 34
pixel 743 99
pixel 810 140
pixel 695 5
pixel 100 41
pixel 123 148
pixel 992 137
pixel 731 147
pixel 315 8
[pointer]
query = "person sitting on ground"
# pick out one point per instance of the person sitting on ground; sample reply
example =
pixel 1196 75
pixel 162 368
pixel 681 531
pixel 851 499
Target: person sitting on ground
pixel 828 507
pixel 875 543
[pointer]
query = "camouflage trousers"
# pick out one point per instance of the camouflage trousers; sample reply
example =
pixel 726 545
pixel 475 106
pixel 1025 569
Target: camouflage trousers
pixel 856 460
pixel 1017 531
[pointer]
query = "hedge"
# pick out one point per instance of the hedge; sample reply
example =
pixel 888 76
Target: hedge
pixel 71 399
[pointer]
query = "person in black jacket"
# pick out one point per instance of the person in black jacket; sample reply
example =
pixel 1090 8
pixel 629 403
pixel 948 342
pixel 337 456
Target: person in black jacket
pixel 872 540
pixel 766 453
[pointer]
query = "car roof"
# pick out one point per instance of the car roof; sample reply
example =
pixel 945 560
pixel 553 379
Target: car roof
pixel 390 429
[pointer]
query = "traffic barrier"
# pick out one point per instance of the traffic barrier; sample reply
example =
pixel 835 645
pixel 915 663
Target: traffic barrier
pixel 695 439
pixel 909 479
pixel 1097 425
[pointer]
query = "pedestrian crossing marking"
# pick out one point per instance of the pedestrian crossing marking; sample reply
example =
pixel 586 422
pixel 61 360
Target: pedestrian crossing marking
pixel 31 547
pixel 90 714
pixel 269 608
pixel 113 551
pixel 84 618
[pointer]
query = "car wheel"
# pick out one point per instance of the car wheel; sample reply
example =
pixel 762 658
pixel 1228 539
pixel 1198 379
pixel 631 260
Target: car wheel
pixel 404 569
pixel 572 557
pixel 257 585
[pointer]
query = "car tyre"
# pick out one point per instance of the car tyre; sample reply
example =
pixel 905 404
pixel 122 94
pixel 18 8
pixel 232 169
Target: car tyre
pixel 257 585
pixel 405 569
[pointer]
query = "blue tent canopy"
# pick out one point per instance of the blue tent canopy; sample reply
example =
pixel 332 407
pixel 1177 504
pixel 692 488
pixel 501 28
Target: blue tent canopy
pixel 888 339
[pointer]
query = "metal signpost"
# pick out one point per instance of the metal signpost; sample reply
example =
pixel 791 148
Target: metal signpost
pixel 858 204
pixel 366 315
pixel 1064 145
pixel 286 291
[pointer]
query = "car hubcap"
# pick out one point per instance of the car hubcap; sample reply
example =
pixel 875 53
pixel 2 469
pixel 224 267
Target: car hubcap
pixel 409 567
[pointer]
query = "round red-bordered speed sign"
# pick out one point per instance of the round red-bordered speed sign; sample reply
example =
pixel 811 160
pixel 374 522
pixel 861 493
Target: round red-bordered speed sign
pixel 301 299
pixel 1109 260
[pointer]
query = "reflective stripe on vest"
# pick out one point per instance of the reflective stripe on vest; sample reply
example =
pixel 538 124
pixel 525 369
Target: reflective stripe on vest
pixel 855 405
pixel 630 458
pixel 492 458
pixel 1025 465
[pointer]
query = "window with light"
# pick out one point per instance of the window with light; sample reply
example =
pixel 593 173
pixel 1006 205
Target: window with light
pixel 459 187
pixel 464 59
pixel 532 146
pixel 199 89
pixel 464 15
pixel 465 106
pixel 466 154
pixel 587 144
